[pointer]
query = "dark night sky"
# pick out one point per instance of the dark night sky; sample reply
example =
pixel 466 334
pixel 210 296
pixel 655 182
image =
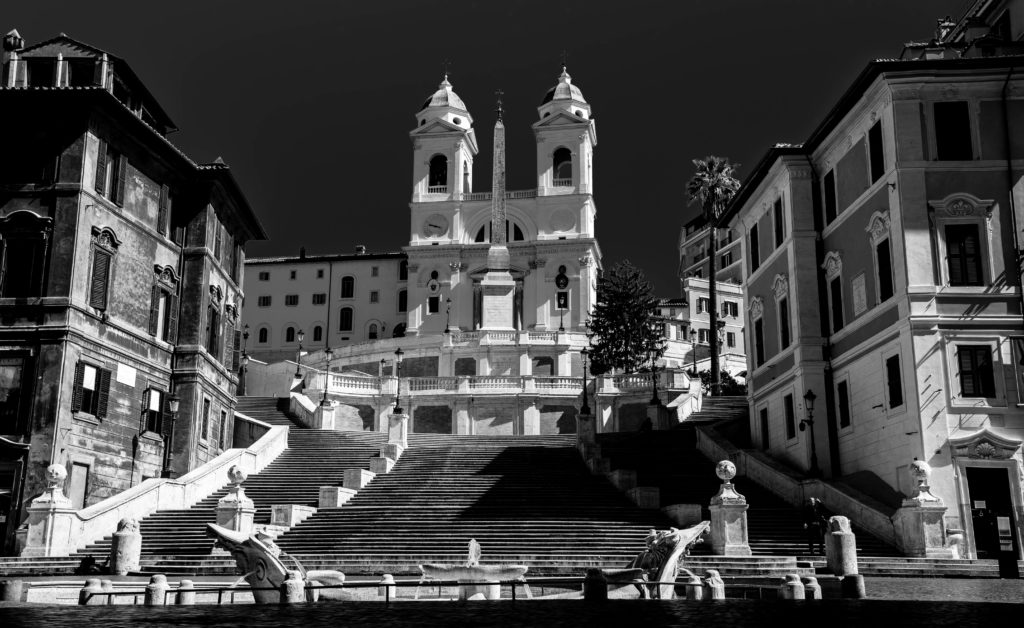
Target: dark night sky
pixel 311 102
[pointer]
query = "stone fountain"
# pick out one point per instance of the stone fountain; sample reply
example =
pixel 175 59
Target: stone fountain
pixel 473 574
pixel 660 562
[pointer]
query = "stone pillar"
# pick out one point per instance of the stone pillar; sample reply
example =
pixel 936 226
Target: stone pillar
pixel 694 588
pixel 235 511
pixel 812 590
pixel 398 430
pixel 52 522
pixel 462 418
pixel 595 586
pixel 89 594
pixel 840 547
pixel 531 418
pixel 586 432
pixel 792 588
pixel 186 595
pixel 325 417
pixel 728 516
pixel 156 590
pixel 126 548
pixel 920 520
pixel 714 586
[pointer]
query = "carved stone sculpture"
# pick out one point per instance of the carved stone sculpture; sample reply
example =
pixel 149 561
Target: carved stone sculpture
pixel 660 561
pixel 474 572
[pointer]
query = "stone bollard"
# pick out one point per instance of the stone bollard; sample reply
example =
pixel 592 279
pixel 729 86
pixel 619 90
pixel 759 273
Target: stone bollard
pixel 694 588
pixel 108 587
pixel 156 590
pixel 186 593
pixel 293 589
pixel 840 547
pixel 90 593
pixel 792 588
pixel 852 586
pixel 595 586
pixel 812 590
pixel 386 589
pixel 126 547
pixel 11 590
pixel 714 586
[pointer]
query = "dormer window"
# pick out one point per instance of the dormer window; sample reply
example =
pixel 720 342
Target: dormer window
pixel 42 72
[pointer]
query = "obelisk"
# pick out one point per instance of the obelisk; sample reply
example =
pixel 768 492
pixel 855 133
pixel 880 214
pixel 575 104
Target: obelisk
pixel 498 286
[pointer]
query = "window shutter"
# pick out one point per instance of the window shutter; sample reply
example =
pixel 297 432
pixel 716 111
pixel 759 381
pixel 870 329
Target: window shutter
pixel 236 356
pixel 144 413
pixel 964 357
pixel 100 279
pixel 161 218
pixel 101 168
pixel 172 319
pixel 229 338
pixel 103 389
pixel 154 310
pixel 122 175
pixel 725 309
pixel 970 257
pixel 76 394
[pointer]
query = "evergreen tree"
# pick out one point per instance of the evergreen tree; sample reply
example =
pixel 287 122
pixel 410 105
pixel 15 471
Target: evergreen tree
pixel 624 334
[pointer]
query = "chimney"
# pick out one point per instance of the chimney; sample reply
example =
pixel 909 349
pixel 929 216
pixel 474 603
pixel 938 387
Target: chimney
pixel 302 252
pixel 360 249
pixel 12 43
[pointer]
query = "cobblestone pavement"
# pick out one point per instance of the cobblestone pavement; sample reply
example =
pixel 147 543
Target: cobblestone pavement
pixel 945 589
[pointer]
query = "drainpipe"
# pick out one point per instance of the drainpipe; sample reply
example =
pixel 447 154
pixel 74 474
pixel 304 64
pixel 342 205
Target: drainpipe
pixel 1009 178
pixel 831 420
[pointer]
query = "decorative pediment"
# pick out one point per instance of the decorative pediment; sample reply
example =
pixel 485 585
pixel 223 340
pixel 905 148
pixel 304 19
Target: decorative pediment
pixel 984 444
pixel 560 118
pixel 878 226
pixel 833 264
pixel 756 308
pixel 105 237
pixel 438 125
pixel 963 205
pixel 780 286
pixel 165 274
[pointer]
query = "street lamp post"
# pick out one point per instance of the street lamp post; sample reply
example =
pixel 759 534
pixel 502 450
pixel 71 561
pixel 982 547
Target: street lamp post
pixel 327 376
pixel 298 355
pixel 693 349
pixel 398 380
pixel 809 398
pixel 654 381
pixel 585 408
pixel 173 403
pixel 448 315
pixel 245 359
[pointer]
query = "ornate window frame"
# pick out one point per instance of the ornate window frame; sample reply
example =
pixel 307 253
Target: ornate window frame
pixel 780 290
pixel 756 312
pixel 878 231
pixel 962 208
pixel 833 267
pixel 955 388
pixel 104 242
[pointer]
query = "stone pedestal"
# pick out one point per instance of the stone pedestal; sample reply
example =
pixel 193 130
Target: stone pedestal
pixel 840 547
pixel 392 451
pixel 156 590
pixel 586 431
pixel 334 496
pixel 235 511
pixel 480 591
pixel 648 497
pixel 683 515
pixel 126 548
pixel 792 588
pixel 52 522
pixel 324 417
pixel 398 430
pixel 622 479
pixel 497 288
pixel 288 515
pixel 381 464
pixel 531 419
pixel 728 516
pixel 920 521
pixel 356 479
pixel 595 586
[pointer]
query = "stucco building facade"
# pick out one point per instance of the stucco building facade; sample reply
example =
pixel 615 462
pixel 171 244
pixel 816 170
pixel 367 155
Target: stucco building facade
pixel 880 272
pixel 121 280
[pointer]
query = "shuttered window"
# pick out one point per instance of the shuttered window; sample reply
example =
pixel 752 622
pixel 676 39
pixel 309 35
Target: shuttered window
pixel 213 332
pixel 100 283
pixel 759 342
pixel 884 257
pixel 843 400
pixel 787 403
pixel 836 296
pixel 783 323
pixel 164 210
pixel 975 366
pixel 830 196
pixel 755 249
pixel 894 380
pixel 963 255
pixel 163 314
pixel 876 152
pixel 91 390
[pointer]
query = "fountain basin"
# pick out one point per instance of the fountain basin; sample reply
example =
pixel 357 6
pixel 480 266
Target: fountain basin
pixel 490 575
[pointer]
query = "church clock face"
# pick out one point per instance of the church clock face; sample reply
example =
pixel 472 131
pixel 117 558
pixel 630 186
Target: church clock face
pixel 435 226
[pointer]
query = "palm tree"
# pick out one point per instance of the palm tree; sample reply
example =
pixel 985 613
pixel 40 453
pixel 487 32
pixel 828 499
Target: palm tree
pixel 713 187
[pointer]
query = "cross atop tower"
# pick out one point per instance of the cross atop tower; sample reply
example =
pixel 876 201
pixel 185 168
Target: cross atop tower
pixel 565 59
pixel 445 67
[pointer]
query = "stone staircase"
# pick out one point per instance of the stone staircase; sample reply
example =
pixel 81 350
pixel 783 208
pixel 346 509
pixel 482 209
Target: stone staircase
pixel 525 499
pixel 716 409
pixel 272 410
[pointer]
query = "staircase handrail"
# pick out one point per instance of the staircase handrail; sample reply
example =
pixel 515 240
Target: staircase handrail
pixel 795 489
pixel 100 520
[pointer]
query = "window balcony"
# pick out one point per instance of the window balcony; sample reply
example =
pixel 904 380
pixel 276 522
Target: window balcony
pixel 562 183
pixel 437 189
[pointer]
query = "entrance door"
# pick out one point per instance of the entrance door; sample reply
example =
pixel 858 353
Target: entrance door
pixel 78 484
pixel 992 514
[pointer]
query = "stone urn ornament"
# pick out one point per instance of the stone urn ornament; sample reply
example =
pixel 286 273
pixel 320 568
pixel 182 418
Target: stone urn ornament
pixel 726 471
pixel 920 472
pixel 237 476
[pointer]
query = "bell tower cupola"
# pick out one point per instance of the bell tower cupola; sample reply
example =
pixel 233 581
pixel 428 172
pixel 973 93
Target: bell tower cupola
pixel 444 144
pixel 566 136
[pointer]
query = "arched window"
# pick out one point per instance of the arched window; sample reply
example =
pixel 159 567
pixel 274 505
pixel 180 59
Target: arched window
pixel 466 186
pixel 345 319
pixel 318 333
pixel 403 271
pixel 403 300
pixel 348 287
pixel 289 334
pixel 562 162
pixel 264 335
pixel 438 181
pixel 372 333
pixel 513 233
